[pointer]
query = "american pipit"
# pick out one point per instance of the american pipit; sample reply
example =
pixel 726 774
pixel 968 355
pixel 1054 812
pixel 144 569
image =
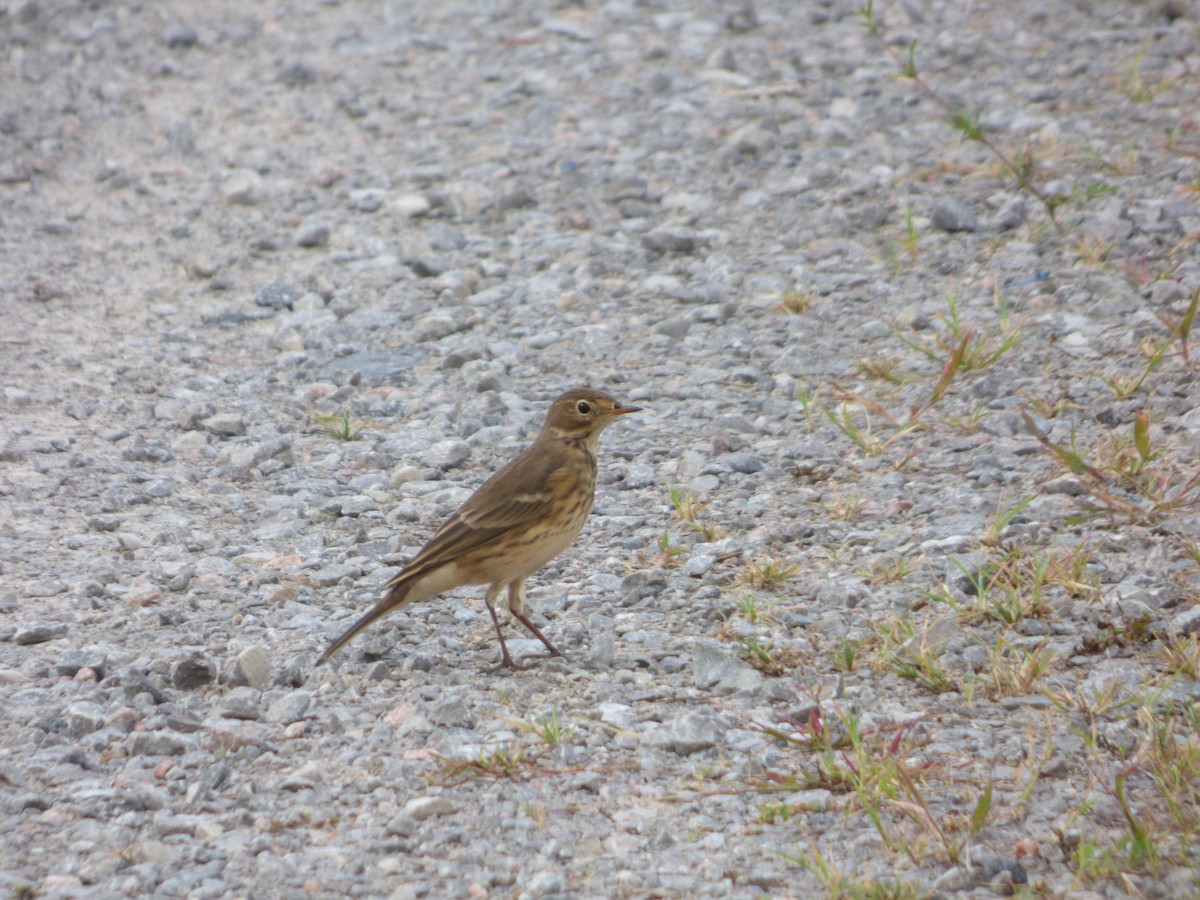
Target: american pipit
pixel 521 518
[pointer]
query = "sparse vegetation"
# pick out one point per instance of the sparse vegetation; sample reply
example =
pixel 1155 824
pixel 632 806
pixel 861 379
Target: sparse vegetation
pixel 767 572
pixel 341 425
pixel 549 728
pixel 767 659
pixel 1134 88
pixel 1022 166
pixel 1127 477
pixel 796 301
pixel 688 508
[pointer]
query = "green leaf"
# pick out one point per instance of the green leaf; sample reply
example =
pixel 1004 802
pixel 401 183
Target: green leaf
pixel 1141 434
pixel 966 123
pixel 982 808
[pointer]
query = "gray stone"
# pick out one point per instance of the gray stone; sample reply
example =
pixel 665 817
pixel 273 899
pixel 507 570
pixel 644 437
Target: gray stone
pixel 40 632
pixel 713 670
pixel 746 463
pixel 843 593
pixel 278 294
pixel 951 214
pixel 545 883
pixel 367 199
pixel 410 206
pixel 693 732
pixel 421 808
pixel 696 566
pixel 225 424
pixel 433 327
pixel 1186 622
pixel 251 667
pixel 192 671
pixel 297 73
pixel 83 717
pixel 672 240
pixel 313 232
pixel 452 712
pixel 402 825
pixel 601 651
pixel 211 779
pixel 244 188
pixel 291 707
pixel 156 743
pixel 641 584
pixel 181 36
pixel 659 738
pixel 17 396
pixel 240 703
pixel 1117 678
pixel 306 777
pixel 247 456
pixel 74 660
pixel 371 368
pixel 619 715
pixel 1012 214
pixel 331 575
pixel 448 454
pixel 1167 292
pixel 754 139
pixel 142 450
pixel 358 505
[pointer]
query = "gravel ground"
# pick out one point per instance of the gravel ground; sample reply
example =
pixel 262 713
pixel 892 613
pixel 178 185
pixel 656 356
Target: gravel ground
pixel 894 589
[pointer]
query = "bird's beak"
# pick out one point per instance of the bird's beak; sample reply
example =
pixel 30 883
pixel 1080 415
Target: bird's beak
pixel 621 410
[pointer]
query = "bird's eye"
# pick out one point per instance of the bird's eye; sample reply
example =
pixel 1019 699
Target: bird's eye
pixel 583 407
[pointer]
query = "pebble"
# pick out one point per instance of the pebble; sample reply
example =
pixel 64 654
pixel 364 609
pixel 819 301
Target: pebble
pixel 291 707
pixel 421 808
pixel 601 652
pixel 448 454
pixel 671 240
pixel 251 667
pixel 1186 622
pixel 84 717
pixel 410 206
pixel 278 295
pixel 244 188
pixel 155 743
pixel 452 712
pixel 312 232
pixel 305 778
pixel 70 664
pixel 225 425
pixel 713 669
pixel 181 36
pixel 41 632
pixel 192 671
pixel 950 214
pixel 693 732
pixel 240 703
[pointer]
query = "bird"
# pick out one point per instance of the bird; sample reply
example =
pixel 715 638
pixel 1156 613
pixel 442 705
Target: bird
pixel 518 520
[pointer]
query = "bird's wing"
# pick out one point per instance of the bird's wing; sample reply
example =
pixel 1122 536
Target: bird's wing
pixel 518 493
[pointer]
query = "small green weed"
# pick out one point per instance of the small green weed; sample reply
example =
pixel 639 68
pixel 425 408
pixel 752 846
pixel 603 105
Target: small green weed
pixel 342 425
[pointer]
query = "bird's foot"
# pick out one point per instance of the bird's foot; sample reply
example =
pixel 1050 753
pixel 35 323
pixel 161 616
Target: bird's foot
pixel 506 662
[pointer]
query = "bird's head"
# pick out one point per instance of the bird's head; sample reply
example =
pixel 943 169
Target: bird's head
pixel 583 413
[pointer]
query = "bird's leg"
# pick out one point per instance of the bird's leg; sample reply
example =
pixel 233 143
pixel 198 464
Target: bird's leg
pixel 505 660
pixel 516 606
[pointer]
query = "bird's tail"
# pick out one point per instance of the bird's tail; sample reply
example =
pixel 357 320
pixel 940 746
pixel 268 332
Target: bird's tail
pixel 396 597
